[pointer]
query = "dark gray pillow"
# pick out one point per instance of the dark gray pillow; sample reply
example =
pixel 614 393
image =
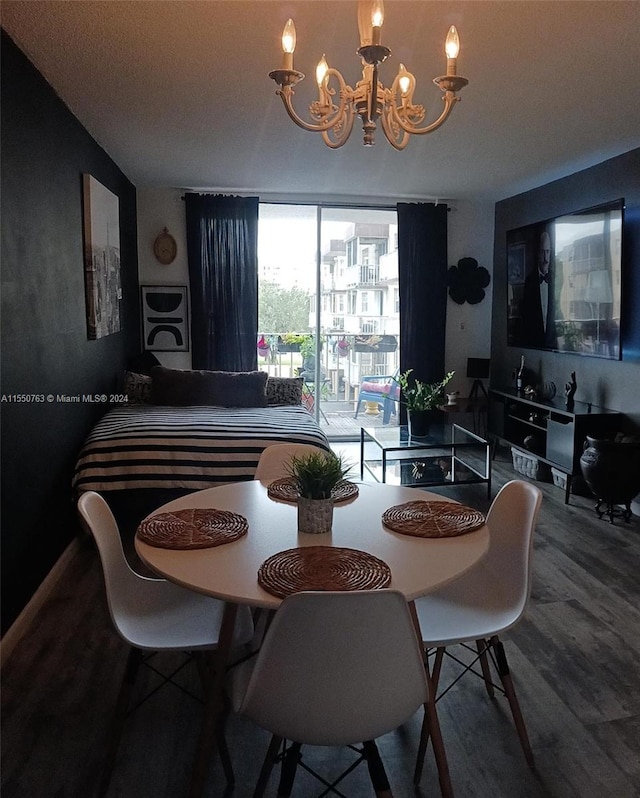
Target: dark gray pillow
pixel 284 390
pixel 240 388
pixel 182 388
pixel 137 388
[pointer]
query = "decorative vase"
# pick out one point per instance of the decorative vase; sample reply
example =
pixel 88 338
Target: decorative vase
pixel 418 422
pixel 611 469
pixel 315 516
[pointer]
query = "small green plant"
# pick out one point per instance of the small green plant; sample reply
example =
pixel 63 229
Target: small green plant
pixel 420 395
pixel 293 338
pixel 317 473
pixel 308 347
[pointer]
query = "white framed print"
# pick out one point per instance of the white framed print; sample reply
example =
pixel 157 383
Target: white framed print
pixel 165 318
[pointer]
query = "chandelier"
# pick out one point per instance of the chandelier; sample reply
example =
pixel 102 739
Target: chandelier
pixel 335 110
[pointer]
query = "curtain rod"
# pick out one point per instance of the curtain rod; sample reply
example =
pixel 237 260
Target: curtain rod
pixel 349 205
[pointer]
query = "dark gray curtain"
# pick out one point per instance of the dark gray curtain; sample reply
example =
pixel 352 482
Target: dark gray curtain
pixel 422 284
pixel 222 248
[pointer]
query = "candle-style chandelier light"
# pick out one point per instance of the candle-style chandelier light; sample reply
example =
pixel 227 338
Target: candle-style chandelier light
pixel 335 110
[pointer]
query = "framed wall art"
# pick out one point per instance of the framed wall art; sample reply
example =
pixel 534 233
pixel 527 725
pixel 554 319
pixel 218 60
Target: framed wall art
pixel 103 287
pixel 165 318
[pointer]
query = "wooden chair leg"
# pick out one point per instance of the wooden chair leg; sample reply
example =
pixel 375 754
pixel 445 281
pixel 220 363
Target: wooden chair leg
pixel 437 668
pixel 115 732
pixel 482 647
pixel 422 749
pixel 267 766
pixel 509 689
pixel 439 752
pixel 214 703
pixel 225 758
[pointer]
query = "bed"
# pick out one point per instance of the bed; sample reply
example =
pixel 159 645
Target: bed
pixel 183 431
pixel 186 448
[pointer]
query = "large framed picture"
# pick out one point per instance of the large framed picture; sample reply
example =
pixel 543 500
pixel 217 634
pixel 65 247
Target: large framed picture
pixel 564 283
pixel 103 288
pixel 165 318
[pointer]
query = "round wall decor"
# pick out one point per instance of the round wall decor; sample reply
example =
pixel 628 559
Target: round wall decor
pixel 165 248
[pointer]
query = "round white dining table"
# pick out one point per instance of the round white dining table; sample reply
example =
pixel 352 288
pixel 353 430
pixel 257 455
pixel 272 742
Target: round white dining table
pixel 229 571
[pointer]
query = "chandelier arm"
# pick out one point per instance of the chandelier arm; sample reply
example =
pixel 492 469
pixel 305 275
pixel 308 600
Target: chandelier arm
pixel 285 93
pixel 449 99
pixel 344 134
pixel 397 142
pixel 322 107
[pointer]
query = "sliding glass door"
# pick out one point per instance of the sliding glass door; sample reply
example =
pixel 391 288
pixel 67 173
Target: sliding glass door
pixel 329 308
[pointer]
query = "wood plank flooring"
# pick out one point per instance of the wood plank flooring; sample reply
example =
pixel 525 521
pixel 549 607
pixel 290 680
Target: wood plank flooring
pixel 575 660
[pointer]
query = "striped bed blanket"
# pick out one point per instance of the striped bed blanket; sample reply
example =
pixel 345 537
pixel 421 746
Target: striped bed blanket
pixel 150 446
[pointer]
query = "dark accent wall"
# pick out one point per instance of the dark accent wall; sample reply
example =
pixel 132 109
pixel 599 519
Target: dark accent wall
pixel 45 349
pixel 607 383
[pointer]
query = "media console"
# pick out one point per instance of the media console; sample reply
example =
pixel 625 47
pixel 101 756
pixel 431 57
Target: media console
pixel 558 434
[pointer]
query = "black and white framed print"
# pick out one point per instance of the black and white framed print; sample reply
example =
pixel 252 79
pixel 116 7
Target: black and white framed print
pixel 165 318
pixel 103 290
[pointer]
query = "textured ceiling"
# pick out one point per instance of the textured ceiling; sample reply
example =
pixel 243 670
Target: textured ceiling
pixel 178 93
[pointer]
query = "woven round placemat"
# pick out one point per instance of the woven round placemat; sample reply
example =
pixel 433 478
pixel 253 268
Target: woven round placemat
pixel 432 519
pixel 285 490
pixel 192 529
pixel 322 568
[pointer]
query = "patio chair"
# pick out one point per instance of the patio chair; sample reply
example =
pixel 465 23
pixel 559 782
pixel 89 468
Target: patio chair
pixel 383 390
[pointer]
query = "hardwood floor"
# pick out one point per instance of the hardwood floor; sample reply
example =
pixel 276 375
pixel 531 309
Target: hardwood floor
pixel 575 661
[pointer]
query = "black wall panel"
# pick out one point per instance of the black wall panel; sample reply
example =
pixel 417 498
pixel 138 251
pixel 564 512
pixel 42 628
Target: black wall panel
pixel 606 383
pixel 45 350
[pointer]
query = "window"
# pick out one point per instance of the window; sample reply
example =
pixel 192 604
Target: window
pixel 369 326
pixel 328 274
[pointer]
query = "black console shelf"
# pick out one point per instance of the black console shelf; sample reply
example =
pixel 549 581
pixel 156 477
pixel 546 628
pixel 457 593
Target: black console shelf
pixel 559 432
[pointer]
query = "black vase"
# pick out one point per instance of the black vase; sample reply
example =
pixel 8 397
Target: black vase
pixel 419 422
pixel 611 469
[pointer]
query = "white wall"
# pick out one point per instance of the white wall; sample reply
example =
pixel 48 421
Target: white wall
pixel 470 227
pixel 470 235
pixel 157 209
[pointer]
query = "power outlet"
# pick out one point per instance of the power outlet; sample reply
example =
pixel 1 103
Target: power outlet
pixel 462 325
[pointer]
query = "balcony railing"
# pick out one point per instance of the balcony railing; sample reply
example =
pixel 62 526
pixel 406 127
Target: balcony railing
pixel 343 359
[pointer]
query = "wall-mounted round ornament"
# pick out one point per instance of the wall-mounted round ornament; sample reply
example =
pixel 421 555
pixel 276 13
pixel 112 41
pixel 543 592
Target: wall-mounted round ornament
pixel 165 248
pixel 467 281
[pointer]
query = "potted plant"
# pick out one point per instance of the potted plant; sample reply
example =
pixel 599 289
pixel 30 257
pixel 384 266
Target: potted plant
pixel 421 398
pixel 308 352
pixel 263 347
pixel 316 474
pixel 342 347
pixel 290 342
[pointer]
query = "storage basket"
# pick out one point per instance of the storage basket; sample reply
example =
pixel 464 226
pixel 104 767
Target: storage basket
pixel 559 478
pixel 530 466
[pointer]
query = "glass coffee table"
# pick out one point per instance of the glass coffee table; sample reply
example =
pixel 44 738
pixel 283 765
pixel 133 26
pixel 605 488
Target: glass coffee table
pixel 449 455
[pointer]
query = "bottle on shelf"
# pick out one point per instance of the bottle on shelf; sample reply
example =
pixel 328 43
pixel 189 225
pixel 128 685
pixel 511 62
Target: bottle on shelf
pixel 520 376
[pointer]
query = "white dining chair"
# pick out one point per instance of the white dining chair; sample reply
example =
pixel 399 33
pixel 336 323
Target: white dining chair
pixel 275 458
pixel 334 669
pixel 480 605
pixel 152 615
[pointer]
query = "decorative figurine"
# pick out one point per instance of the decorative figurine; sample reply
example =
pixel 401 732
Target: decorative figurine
pixel 570 391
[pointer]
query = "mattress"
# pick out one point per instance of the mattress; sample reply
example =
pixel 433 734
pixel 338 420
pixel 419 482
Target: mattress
pixel 189 448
